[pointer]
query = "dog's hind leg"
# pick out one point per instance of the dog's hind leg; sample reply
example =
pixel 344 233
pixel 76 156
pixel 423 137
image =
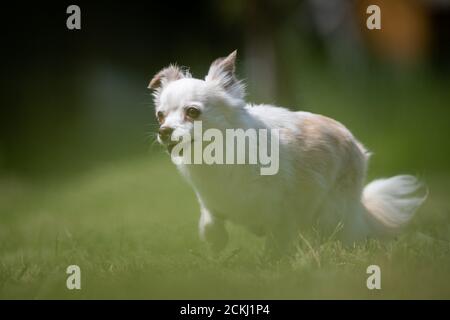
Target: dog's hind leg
pixel 280 241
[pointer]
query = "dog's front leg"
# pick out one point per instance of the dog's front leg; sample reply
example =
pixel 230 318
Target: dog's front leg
pixel 212 230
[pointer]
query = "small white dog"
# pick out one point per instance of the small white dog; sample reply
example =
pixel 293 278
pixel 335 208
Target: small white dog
pixel 322 167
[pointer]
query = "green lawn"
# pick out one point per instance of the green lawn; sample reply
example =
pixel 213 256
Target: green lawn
pixel 132 228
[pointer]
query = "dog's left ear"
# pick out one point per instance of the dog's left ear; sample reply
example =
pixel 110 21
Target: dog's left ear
pixel 166 75
pixel 222 70
pixel 162 78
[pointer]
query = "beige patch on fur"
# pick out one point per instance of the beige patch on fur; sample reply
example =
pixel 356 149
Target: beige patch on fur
pixel 328 150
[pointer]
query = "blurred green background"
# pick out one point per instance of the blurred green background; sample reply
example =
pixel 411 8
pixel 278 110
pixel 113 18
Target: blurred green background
pixel 82 181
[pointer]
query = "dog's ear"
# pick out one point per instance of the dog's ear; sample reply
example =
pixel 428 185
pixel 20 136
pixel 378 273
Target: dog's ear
pixel 166 75
pixel 222 70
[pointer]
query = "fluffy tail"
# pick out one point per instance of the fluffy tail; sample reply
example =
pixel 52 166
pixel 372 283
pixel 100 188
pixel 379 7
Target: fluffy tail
pixel 391 203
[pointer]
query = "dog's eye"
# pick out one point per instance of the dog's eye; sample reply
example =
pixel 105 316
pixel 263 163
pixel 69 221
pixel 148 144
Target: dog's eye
pixel 192 112
pixel 160 116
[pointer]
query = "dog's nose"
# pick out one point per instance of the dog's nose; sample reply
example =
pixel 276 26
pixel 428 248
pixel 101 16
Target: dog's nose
pixel 165 133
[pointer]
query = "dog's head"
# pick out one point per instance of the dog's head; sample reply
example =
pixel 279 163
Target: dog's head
pixel 181 99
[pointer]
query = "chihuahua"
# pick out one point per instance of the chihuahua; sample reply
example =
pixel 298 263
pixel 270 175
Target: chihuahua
pixel 322 167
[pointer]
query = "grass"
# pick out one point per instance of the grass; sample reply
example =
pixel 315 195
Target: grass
pixel 132 229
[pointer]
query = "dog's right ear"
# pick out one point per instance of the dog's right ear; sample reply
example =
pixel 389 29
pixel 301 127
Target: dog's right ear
pixel 166 75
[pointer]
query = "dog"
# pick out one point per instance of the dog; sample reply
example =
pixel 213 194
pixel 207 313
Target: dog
pixel 322 167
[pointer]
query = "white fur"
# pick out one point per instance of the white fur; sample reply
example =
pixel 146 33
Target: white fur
pixel 322 168
pixel 390 200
